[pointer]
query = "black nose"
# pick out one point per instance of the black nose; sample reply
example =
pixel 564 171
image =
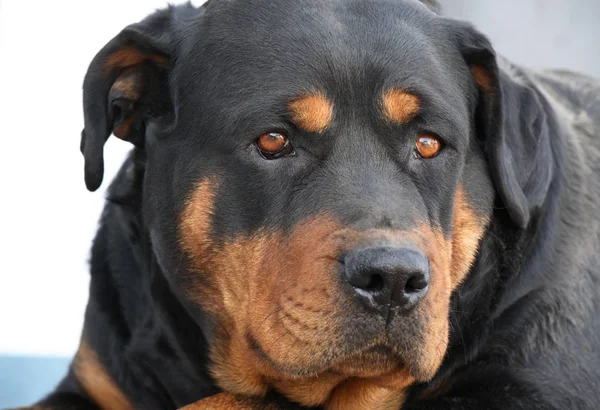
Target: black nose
pixel 388 276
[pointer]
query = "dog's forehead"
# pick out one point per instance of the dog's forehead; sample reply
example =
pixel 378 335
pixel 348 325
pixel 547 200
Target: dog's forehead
pixel 245 62
pixel 328 10
pixel 297 41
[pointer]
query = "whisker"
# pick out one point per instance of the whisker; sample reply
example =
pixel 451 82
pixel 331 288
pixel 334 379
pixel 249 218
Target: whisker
pixel 290 348
pixel 277 309
pixel 282 335
pixel 275 322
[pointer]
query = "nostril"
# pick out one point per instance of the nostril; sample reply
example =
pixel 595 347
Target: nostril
pixel 376 284
pixel 415 284
pixel 387 275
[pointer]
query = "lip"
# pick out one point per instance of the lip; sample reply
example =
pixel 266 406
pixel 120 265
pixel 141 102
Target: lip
pixel 369 361
pixel 307 371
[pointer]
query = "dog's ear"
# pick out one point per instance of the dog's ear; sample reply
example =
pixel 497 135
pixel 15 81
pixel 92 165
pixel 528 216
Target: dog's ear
pixel 125 86
pixel 514 123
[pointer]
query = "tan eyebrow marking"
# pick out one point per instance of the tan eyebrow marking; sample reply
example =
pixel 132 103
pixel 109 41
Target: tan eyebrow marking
pixel 400 106
pixel 312 112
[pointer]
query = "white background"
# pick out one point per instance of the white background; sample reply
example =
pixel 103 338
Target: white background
pixel 47 217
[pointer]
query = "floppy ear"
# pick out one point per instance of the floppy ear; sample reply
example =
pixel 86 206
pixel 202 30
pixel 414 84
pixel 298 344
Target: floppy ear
pixel 514 122
pixel 125 86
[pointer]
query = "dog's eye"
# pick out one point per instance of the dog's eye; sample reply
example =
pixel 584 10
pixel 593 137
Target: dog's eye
pixel 273 145
pixel 428 146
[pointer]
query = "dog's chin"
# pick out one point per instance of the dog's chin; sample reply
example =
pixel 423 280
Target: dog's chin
pixel 368 362
pixel 335 371
pixel 371 362
pixel 381 360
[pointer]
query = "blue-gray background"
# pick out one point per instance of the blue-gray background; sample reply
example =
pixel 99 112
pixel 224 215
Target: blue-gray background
pixel 538 33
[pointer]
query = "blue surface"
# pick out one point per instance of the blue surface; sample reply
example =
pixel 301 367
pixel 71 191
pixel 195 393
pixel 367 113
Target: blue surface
pixel 26 379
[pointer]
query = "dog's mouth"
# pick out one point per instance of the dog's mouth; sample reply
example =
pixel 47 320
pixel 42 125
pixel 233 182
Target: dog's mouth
pixel 376 366
pixel 367 362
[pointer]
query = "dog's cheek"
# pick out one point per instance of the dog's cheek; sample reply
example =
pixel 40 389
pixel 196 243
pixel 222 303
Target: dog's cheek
pixel 243 288
pixel 296 296
pixel 285 306
pixel 265 290
pixel 469 229
pixel 195 227
pixel 451 260
pixel 218 282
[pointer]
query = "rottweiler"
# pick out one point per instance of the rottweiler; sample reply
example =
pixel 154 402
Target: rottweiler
pixel 337 204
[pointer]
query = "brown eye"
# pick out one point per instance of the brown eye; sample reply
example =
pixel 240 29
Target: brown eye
pixel 273 145
pixel 428 146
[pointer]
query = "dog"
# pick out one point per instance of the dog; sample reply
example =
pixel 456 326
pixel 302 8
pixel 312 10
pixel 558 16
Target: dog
pixel 341 204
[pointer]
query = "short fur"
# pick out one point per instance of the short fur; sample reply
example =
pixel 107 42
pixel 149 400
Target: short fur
pixel 215 274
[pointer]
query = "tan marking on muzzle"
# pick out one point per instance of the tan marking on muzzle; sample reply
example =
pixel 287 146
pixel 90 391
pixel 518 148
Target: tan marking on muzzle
pixel 280 291
pixel 246 283
pixel 271 286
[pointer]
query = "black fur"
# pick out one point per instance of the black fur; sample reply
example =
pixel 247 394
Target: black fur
pixel 525 324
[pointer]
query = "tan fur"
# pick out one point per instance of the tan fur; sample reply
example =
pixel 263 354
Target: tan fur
pixel 468 231
pixel 96 381
pixel 482 78
pixel 278 289
pixel 400 106
pixel 357 394
pixel 312 113
pixel 451 259
pixel 313 391
pixel 130 56
pixel 228 401
pixel 122 131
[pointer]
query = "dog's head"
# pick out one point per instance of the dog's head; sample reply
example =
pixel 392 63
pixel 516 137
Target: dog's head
pixel 318 178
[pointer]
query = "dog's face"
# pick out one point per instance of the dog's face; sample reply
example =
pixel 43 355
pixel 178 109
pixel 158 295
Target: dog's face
pixel 314 185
